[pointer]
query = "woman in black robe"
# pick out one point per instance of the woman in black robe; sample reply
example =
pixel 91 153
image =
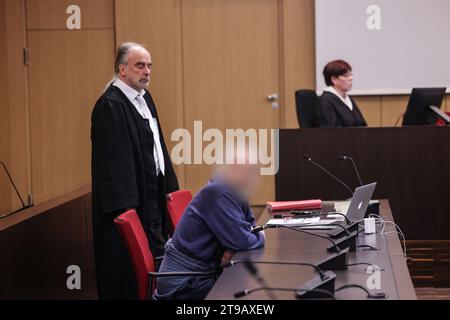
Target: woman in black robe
pixel 337 108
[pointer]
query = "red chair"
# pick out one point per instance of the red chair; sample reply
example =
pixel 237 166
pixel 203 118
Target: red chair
pixel 135 239
pixel 176 204
pixel 441 122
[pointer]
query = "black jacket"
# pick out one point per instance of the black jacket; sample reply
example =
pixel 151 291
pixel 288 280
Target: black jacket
pixel 124 176
pixel 334 113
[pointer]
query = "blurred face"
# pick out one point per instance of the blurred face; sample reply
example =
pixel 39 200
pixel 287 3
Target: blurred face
pixel 343 83
pixel 136 71
pixel 243 178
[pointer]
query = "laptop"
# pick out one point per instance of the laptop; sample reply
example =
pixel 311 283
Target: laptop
pixel 360 201
pixel 358 207
pixel 355 213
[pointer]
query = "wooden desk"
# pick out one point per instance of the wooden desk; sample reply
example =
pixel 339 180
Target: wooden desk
pixel 287 245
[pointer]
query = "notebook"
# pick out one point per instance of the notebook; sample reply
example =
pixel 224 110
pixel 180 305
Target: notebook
pixel 295 205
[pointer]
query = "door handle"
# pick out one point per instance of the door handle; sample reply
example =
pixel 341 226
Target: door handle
pixel 274 99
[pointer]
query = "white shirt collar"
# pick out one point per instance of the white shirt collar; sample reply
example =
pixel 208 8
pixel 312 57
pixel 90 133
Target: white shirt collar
pixel 346 100
pixel 127 90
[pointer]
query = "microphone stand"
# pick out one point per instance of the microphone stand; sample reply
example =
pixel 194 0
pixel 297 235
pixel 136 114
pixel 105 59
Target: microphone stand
pixel 344 158
pixel 235 262
pixel 310 290
pixel 337 245
pixel 328 173
pixel 24 206
pixel 341 248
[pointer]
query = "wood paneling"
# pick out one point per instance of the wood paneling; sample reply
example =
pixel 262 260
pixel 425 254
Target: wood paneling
pixel 392 108
pixel 5 190
pixel 68 71
pixel 371 108
pixel 51 14
pixel 14 107
pixel 156 24
pixel 230 65
pixel 298 58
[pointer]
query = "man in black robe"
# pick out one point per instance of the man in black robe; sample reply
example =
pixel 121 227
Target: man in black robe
pixel 131 168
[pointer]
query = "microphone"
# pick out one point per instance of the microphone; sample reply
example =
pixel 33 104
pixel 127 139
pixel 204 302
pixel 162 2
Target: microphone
pixel 247 292
pixel 344 158
pixel 235 262
pixel 325 281
pixel 24 206
pixel 337 245
pixel 341 248
pixel 307 158
pixel 254 272
pixel 369 295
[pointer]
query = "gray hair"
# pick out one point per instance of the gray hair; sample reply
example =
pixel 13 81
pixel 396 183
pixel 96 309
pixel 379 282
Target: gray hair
pixel 122 53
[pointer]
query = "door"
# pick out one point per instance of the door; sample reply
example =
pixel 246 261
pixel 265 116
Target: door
pixel 231 77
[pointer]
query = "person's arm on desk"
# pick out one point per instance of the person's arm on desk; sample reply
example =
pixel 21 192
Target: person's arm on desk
pixel 229 223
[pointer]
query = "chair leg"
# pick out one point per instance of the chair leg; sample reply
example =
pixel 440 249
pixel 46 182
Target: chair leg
pixel 150 288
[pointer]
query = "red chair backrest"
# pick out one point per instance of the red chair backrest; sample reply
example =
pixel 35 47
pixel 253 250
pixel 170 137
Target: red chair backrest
pixel 176 204
pixel 135 239
pixel 441 122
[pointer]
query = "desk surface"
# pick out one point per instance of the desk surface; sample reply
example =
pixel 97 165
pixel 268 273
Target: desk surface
pixel 286 245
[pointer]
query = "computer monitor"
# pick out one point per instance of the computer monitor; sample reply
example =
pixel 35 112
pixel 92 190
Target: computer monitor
pixel 418 112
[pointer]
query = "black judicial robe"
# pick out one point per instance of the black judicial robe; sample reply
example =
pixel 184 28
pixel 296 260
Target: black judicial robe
pixel 124 176
pixel 334 113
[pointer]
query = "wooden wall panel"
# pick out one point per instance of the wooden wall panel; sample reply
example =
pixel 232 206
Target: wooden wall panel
pixel 371 108
pixel 18 103
pixel 392 108
pixel 14 106
pixel 68 71
pixel 298 55
pixel 5 190
pixel 51 14
pixel 157 24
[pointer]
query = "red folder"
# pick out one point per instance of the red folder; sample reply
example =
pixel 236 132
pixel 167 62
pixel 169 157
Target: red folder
pixel 295 205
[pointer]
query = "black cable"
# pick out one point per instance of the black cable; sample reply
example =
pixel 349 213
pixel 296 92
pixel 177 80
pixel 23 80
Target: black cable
pixel 371 248
pixel 342 215
pixel 247 292
pixel 380 295
pixel 364 264
pixel 326 225
pixel 313 215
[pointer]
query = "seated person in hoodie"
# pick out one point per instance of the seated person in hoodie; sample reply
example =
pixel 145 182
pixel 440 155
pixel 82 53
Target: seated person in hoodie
pixel 216 223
